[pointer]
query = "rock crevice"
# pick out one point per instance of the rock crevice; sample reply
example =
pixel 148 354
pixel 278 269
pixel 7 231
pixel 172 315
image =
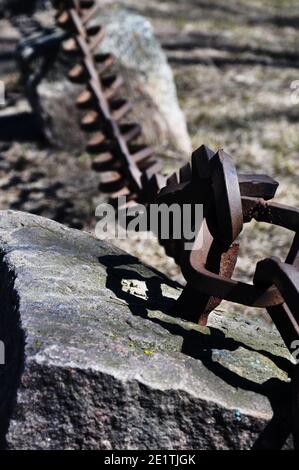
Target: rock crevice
pixel 12 340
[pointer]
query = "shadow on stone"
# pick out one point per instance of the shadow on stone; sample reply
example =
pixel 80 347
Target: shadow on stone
pixel 200 346
pixel 12 336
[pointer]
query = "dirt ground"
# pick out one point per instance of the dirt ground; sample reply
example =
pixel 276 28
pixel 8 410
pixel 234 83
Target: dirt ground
pixel 234 64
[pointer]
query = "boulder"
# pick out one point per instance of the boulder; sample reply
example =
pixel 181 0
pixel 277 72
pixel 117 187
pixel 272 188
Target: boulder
pixel 149 85
pixel 130 37
pixel 93 360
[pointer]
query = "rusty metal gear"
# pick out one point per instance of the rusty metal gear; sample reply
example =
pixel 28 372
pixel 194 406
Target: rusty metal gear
pixel 229 200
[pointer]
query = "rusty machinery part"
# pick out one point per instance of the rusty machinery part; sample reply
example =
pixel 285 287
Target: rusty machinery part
pixel 209 266
pixel 128 169
pixel 285 276
pixel 229 200
pixel 202 266
pixel 212 181
pixel 119 154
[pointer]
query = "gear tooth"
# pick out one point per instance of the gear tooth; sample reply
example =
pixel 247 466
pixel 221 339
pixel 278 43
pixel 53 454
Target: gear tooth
pixel 92 31
pixel 70 47
pixel 77 74
pixel 153 183
pixel 140 153
pixel 119 108
pixel 111 181
pixel 90 121
pixel 201 160
pixel 123 192
pixel 130 131
pixel 90 13
pixel 103 162
pixel 111 86
pixel 64 20
pixel 97 39
pixel 103 61
pixel 185 173
pixel 172 180
pixel 84 100
pixel 96 143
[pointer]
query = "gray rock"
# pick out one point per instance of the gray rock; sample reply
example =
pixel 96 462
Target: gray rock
pixel 149 85
pixel 105 367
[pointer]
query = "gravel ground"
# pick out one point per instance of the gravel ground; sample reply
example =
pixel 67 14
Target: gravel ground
pixel 234 64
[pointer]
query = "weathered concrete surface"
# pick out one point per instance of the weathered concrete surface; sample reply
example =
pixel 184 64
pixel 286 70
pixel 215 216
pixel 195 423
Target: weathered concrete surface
pixel 107 368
